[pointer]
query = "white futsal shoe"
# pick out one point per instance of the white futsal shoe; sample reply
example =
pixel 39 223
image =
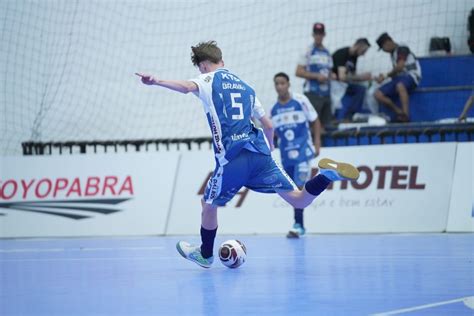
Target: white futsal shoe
pixel 335 171
pixel 296 232
pixel 193 253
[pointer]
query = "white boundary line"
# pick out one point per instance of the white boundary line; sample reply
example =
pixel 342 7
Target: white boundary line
pixel 415 308
pixel 79 249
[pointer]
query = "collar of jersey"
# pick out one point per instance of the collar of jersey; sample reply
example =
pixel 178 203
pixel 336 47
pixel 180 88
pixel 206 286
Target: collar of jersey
pixel 222 69
pixel 291 98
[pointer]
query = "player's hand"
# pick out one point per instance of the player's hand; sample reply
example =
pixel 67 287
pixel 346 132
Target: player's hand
pixel 146 79
pixel 322 78
pixel 366 76
pixel 380 78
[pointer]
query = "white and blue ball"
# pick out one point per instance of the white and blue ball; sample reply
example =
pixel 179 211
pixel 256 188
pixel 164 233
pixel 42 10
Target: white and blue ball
pixel 232 253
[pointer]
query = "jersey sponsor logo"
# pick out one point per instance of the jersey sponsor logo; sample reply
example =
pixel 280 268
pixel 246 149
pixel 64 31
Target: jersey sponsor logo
pixel 64 196
pixel 319 59
pixel 289 135
pixel 293 154
pixel 236 137
pixel 215 135
pixel 289 119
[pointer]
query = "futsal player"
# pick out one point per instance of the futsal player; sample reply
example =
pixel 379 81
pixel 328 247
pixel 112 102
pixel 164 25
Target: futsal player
pixel 293 119
pixel 242 152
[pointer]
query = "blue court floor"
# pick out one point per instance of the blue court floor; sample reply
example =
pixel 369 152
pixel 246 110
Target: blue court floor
pixel 407 274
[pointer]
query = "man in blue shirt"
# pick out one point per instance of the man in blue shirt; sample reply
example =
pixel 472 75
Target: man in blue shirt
pixel 293 119
pixel 242 152
pixel 316 67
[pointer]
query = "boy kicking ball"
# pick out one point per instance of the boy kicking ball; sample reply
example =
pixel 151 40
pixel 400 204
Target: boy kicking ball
pixel 242 151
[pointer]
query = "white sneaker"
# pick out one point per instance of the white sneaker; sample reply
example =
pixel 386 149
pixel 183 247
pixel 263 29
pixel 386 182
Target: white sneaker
pixel 296 232
pixel 193 253
pixel 335 171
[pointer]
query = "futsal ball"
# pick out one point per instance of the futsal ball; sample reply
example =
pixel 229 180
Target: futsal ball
pixel 232 253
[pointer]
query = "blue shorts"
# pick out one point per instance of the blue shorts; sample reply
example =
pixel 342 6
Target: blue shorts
pixel 253 170
pixel 300 173
pixel 390 88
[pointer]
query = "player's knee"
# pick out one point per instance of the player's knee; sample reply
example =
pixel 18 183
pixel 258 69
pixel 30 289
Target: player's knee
pixel 378 95
pixel 207 208
pixel 401 88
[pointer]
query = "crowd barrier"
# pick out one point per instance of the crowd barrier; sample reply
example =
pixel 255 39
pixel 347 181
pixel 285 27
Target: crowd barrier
pixel 402 188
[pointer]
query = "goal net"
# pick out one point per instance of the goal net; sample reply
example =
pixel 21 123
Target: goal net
pixel 68 66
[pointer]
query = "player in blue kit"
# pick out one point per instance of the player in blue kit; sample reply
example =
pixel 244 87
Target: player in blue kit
pixel 293 118
pixel 242 152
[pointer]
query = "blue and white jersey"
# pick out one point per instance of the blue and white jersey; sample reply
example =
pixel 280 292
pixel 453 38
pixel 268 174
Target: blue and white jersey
pixel 230 104
pixel 318 60
pixel 412 66
pixel 291 123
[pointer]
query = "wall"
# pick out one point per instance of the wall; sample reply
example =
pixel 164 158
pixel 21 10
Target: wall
pixel 402 188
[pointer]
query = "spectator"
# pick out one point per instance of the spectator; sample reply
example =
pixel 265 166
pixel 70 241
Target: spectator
pixel 315 66
pixel 406 74
pixel 345 64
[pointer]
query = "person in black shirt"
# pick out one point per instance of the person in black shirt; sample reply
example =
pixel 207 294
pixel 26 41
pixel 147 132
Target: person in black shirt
pixel 345 64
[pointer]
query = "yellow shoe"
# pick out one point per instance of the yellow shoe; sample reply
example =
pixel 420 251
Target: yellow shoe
pixel 334 170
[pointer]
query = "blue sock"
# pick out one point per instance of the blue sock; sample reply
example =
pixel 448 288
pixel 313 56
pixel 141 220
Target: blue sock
pixel 207 238
pixel 299 216
pixel 317 185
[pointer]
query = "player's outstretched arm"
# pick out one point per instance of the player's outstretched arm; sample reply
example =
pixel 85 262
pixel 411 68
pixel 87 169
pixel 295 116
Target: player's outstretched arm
pixel 183 86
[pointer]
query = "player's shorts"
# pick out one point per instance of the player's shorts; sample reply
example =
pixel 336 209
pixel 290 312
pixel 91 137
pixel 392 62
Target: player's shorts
pixel 256 171
pixel 390 88
pixel 300 173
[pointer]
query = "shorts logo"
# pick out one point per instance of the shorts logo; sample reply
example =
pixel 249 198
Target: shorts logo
pixel 207 185
pixel 270 179
pixel 293 154
pixel 212 188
